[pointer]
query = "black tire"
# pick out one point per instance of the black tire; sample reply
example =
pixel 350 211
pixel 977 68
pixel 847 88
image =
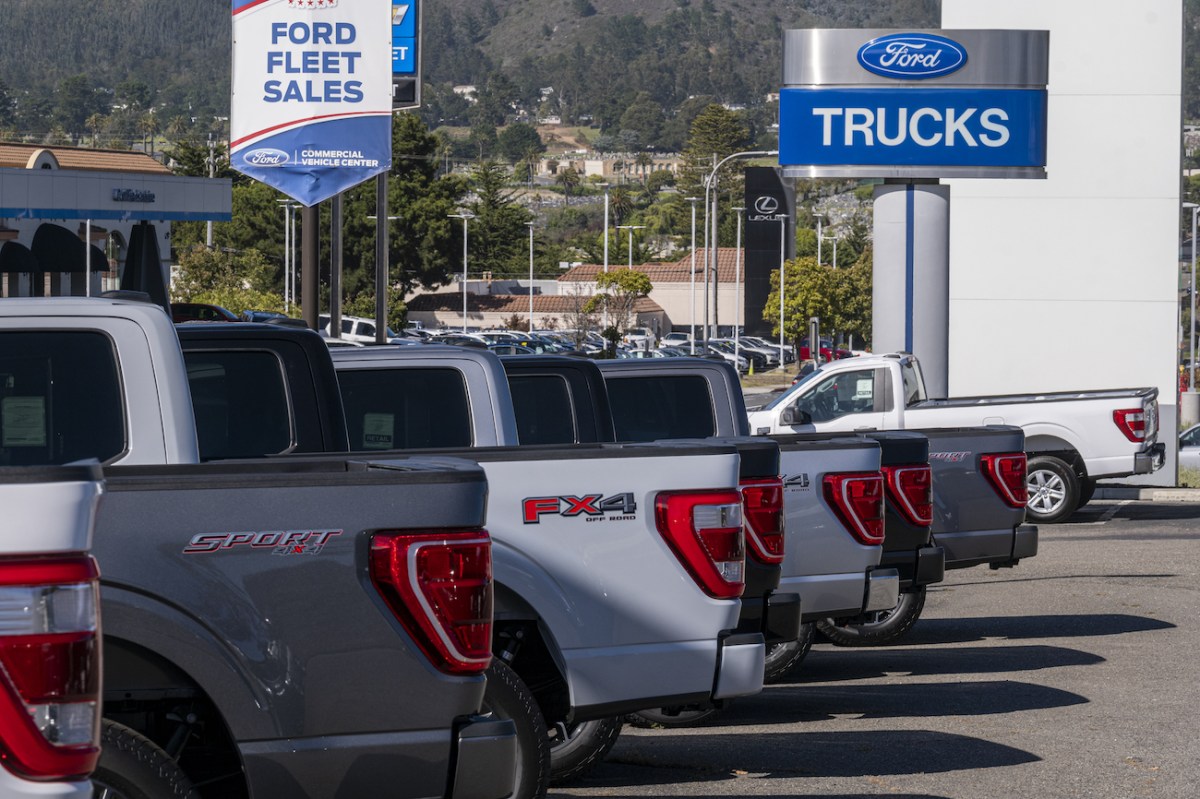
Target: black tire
pixel 783 658
pixel 1053 490
pixel 134 767
pixel 881 627
pixel 672 716
pixel 1087 489
pixel 507 697
pixel 579 747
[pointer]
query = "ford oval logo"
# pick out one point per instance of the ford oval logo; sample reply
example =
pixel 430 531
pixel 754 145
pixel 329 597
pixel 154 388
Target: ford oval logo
pixel 912 56
pixel 266 157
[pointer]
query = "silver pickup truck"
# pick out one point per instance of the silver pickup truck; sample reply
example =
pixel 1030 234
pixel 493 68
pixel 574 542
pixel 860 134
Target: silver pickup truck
pixel 618 568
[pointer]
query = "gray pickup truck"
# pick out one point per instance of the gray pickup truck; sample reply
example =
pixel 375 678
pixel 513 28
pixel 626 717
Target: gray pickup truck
pixel 271 627
pixel 978 502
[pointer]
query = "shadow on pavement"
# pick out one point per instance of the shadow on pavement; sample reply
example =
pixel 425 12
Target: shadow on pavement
pixel 787 704
pixel 663 757
pixel 831 664
pixel 963 630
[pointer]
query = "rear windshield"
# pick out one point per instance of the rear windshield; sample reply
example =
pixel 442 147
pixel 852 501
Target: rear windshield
pixel 60 398
pixel 406 408
pixel 545 413
pixel 241 403
pixel 657 407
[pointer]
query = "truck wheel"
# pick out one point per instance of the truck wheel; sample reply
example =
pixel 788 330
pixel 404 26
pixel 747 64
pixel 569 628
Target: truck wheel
pixel 134 767
pixel 581 746
pixel 1053 490
pixel 882 627
pixel 507 697
pixel 782 658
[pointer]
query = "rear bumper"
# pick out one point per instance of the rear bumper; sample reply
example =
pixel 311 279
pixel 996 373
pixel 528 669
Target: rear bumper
pixel 485 758
pixel 742 657
pixel 1151 460
pixel 777 617
pixel 840 595
pixel 17 788
pixel 883 590
pixel 992 547
pixel 916 567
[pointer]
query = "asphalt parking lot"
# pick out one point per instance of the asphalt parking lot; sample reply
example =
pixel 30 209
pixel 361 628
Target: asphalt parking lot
pixel 1073 675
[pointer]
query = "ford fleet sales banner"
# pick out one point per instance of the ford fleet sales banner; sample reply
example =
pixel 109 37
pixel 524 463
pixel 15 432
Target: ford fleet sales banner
pixel 914 104
pixel 312 94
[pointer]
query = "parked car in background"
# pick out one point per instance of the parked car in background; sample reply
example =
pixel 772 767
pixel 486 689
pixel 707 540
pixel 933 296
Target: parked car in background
pixel 1189 448
pixel 640 338
pixel 357 328
pixel 674 339
pixel 201 312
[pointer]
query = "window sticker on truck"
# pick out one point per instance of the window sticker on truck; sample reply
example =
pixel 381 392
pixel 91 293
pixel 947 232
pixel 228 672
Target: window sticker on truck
pixel 280 542
pixel 593 506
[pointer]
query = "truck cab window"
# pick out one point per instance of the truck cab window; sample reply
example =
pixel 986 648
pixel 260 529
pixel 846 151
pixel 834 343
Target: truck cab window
pixel 60 398
pixel 840 394
pixel 241 403
pixel 545 412
pixel 406 408
pixel 652 408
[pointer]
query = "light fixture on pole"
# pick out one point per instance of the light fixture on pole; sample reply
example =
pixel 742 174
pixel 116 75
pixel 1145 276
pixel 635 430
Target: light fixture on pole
pixel 630 228
pixel 1192 292
pixel 464 216
pixel 782 256
pixel 604 311
pixel 834 239
pixel 737 285
pixel 693 201
pixel 530 225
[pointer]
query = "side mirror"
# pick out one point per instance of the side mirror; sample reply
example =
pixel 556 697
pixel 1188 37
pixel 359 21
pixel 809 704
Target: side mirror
pixel 793 416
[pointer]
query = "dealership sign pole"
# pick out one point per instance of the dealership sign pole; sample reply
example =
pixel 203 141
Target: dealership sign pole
pixel 311 110
pixel 913 107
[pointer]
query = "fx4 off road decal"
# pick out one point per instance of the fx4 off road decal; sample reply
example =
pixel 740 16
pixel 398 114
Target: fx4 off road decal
pixel 594 507
pixel 280 542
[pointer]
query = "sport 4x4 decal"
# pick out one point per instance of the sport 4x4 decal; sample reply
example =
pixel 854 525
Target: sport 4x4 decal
pixel 593 506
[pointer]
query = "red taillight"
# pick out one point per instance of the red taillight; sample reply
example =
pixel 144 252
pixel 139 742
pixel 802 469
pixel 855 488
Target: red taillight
pixel 762 505
pixel 1006 472
pixel 439 586
pixel 704 530
pixel 1131 422
pixel 49 667
pixel 857 499
pixel 910 489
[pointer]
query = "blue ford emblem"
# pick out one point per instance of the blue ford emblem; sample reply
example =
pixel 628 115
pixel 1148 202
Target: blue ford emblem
pixel 266 157
pixel 912 56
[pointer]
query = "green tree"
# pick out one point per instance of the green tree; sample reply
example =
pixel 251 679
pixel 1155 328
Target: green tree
pixel 644 115
pixel 852 304
pixel 569 180
pixel 715 133
pixel 517 141
pixel 75 101
pixel 809 291
pixel 498 231
pixel 619 291
pixel 8 108
pixel 237 280
pixel 95 125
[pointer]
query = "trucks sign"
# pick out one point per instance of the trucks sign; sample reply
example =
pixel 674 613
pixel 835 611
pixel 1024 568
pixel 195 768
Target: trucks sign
pixel 914 104
pixel 312 93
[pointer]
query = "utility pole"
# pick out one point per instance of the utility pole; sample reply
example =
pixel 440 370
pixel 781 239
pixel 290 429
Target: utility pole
pixel 212 173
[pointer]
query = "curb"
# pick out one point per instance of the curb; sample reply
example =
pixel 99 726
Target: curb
pixel 1149 494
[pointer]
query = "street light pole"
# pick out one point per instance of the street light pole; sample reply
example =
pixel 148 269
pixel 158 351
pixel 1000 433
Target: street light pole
pixel 782 256
pixel 1192 291
pixel 834 239
pixel 287 245
pixel 737 286
pixel 693 201
pixel 382 255
pixel 710 182
pixel 464 216
pixel 530 224
pixel 604 311
pixel 819 217
pixel 630 228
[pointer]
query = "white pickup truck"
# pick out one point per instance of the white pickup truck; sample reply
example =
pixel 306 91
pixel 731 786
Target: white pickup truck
pixel 1072 438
